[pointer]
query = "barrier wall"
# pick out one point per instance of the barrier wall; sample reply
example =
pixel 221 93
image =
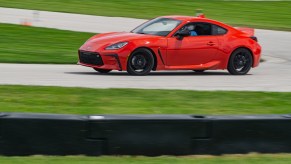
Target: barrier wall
pixel 151 135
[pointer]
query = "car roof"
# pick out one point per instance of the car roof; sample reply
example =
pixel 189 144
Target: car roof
pixel 181 17
pixel 195 19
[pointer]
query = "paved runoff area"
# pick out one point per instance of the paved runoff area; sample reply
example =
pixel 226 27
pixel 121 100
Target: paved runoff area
pixel 272 75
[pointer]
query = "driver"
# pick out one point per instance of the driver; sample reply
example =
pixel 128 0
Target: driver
pixel 191 28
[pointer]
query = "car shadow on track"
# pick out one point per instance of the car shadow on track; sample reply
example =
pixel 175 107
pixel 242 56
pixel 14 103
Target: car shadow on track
pixel 168 73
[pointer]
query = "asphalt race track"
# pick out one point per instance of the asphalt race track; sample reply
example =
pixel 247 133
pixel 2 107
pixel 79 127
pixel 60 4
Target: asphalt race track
pixel 272 75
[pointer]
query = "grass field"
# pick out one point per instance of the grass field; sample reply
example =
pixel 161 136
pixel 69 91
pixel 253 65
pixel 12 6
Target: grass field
pixel 20 44
pixel 229 159
pixel 261 14
pixel 138 101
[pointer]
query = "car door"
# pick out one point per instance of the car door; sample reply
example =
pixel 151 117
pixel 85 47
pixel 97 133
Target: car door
pixel 192 50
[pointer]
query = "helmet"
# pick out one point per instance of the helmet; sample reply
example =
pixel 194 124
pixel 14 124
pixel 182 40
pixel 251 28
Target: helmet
pixel 191 27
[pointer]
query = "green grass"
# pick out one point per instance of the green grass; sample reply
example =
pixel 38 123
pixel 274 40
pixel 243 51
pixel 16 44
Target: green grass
pixel 261 14
pixel 229 159
pixel 21 44
pixel 138 101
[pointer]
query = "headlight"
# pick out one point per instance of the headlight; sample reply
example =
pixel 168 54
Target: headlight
pixel 116 46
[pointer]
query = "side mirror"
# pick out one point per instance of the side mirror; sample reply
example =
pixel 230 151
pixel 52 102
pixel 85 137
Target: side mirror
pixel 181 34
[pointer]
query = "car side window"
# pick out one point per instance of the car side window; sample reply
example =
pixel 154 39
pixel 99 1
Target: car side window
pixel 217 30
pixel 203 29
pixel 197 29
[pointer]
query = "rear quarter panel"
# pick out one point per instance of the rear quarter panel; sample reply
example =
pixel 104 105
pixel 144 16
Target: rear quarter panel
pixel 234 40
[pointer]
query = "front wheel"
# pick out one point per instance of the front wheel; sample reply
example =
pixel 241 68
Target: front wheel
pixel 102 70
pixel 240 62
pixel 140 62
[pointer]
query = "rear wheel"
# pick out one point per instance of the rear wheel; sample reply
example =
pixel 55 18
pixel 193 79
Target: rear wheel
pixel 240 62
pixel 140 62
pixel 102 70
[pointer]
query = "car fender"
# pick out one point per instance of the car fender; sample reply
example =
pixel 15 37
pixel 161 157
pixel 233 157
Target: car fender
pixel 157 46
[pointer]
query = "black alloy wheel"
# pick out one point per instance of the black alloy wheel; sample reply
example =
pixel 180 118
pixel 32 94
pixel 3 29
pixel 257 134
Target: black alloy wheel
pixel 140 62
pixel 240 62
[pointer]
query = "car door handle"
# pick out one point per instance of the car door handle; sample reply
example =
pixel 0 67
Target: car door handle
pixel 210 43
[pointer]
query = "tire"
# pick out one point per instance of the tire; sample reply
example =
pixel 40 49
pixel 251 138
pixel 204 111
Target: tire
pixel 102 70
pixel 199 71
pixel 140 62
pixel 240 62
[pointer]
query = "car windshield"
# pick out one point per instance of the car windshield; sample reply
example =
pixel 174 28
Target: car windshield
pixel 157 26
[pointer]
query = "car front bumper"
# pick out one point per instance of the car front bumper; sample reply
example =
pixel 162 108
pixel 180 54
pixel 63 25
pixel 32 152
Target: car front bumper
pixel 110 61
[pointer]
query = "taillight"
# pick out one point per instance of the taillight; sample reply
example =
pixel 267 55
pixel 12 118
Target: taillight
pixel 254 38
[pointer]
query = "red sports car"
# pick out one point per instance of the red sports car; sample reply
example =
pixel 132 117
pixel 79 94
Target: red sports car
pixel 173 43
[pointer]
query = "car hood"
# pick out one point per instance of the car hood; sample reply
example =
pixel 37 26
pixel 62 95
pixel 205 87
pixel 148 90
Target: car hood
pixel 106 39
